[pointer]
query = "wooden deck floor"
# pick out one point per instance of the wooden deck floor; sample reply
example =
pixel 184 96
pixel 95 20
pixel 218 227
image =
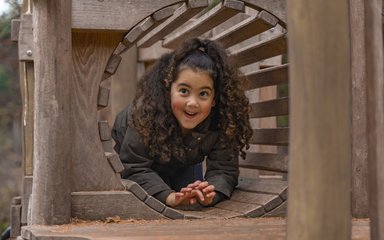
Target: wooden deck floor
pixel 220 229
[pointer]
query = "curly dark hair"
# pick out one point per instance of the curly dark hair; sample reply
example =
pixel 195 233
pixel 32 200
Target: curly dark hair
pixel 152 115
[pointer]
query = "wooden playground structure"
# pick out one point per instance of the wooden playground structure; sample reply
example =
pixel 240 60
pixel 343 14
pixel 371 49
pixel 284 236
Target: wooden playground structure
pixel 72 87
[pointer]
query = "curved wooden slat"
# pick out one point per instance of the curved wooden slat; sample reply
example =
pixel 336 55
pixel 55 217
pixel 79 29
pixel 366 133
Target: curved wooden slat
pixel 267 77
pixel 180 16
pixel 244 209
pixel 270 136
pixel 259 51
pixel 104 132
pixel 206 22
pixel 268 201
pixel 276 107
pixel 164 13
pixel 248 28
pixel 103 97
pixel 138 31
pixel 270 186
pixel 112 65
pixel 265 161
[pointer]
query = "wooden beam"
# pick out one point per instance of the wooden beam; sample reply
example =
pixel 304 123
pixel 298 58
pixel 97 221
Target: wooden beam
pixel 117 15
pixel 276 107
pixel 265 161
pixel 375 114
pixel 270 136
pixel 267 77
pixel 319 205
pixel 26 51
pixel 276 7
pixel 209 20
pixel 53 114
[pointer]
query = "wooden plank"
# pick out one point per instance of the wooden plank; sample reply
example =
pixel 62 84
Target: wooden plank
pixel 138 31
pixel 209 20
pixel 104 131
pixel 244 209
pixel 113 64
pixel 164 13
pixel 375 113
pixel 265 161
pixel 319 203
pixel 276 7
pixel 117 15
pixel 259 51
pixel 154 204
pixel 107 145
pixel 360 175
pixel 270 136
pixel 269 186
pixel 102 204
pixel 267 77
pixel 172 213
pixel 268 201
pixel 15 28
pixel 181 15
pixel 103 97
pixel 152 53
pixel 15 220
pixel 280 211
pixel 53 128
pixel 25 43
pixel 276 107
pixel 135 188
pixel 26 193
pixel 246 29
pixel 211 213
pixel 115 162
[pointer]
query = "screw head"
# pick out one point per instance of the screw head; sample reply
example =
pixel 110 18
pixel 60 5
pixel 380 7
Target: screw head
pixel 29 53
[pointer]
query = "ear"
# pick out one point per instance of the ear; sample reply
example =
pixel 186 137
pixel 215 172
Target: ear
pixel 213 103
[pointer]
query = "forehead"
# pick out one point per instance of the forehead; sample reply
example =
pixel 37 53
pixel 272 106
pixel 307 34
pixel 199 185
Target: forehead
pixel 198 79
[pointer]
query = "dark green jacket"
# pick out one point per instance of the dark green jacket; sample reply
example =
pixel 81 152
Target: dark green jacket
pixel 222 170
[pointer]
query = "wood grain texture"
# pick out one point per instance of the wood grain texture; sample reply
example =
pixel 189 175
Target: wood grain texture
pixel 103 204
pixel 243 209
pixel 25 44
pixel 320 136
pixel 276 107
pixel 104 131
pixel 172 213
pixel 276 7
pixel 118 15
pixel 209 20
pixel 181 15
pixel 165 13
pixel 267 77
pixel 259 51
pixel 115 162
pixel 269 186
pixel 15 220
pixel 280 211
pixel 265 161
pixel 103 97
pixel 248 28
pixel 135 188
pixel 375 113
pixel 137 31
pixel 15 28
pixel 26 193
pixel 90 170
pixel 154 204
pixel 53 128
pixel 268 201
pixel 270 136
pixel 360 202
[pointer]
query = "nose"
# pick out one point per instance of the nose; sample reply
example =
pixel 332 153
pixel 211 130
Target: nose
pixel 192 102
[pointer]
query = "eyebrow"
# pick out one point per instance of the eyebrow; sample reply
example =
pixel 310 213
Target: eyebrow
pixel 187 85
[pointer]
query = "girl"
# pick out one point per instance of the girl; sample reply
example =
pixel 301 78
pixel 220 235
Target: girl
pixel 189 107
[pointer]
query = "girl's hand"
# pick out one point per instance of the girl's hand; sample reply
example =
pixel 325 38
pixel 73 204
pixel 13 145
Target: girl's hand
pixel 203 191
pixel 184 197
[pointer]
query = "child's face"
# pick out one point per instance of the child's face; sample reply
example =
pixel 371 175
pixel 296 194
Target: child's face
pixel 192 98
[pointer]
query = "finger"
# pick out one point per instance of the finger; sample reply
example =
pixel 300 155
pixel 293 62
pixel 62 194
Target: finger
pixel 210 195
pixel 198 194
pixel 194 184
pixel 192 201
pixel 186 189
pixel 208 189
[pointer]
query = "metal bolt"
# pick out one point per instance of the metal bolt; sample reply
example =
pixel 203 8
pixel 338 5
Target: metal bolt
pixel 29 53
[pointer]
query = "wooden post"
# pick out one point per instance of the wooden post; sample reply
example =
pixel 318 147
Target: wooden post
pixel 360 206
pixel 320 143
pixel 375 114
pixel 51 190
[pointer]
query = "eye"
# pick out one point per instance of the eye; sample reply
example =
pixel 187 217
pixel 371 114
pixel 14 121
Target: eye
pixel 183 91
pixel 205 94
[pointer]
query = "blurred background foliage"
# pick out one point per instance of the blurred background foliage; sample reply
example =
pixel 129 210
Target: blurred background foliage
pixel 10 115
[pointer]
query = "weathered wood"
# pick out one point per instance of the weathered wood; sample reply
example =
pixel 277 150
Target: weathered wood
pixel 135 188
pixel 319 205
pixel 16 200
pixel 244 209
pixel 103 97
pixel 164 13
pixel 360 206
pixel 137 32
pixel 211 213
pixel 15 220
pixel 267 77
pixel 272 136
pixel 104 131
pixel 270 108
pixel 90 172
pixel 277 7
pixel 280 211
pixel 15 28
pixel 259 51
pixel 268 201
pixel 113 64
pixel 269 186
pixel 26 193
pixel 172 213
pixel 181 15
pixel 152 53
pixel 375 113
pixel 154 204
pixel 103 204
pixel 26 51
pixel 115 162
pixel 118 15
pixel 248 28
pixel 265 161
pixel 209 20
pixel 53 128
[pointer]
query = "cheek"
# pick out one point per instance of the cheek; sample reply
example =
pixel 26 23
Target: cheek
pixel 176 104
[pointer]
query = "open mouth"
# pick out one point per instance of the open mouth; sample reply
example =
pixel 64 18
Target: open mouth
pixel 190 114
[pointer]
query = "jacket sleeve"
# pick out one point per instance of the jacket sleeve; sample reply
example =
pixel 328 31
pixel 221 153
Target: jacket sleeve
pixel 137 163
pixel 222 171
